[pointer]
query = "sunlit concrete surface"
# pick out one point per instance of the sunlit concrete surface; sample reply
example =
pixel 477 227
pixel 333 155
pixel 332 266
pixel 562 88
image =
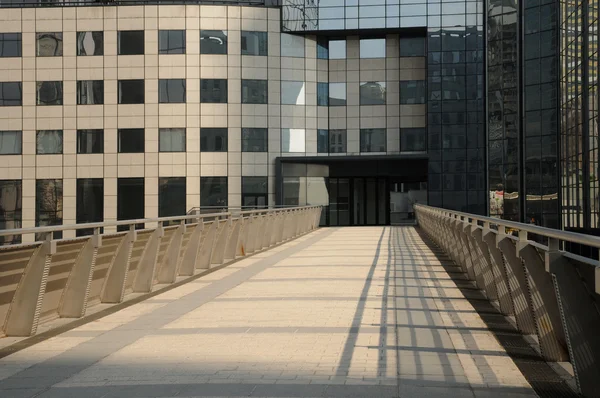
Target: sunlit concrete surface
pixel 341 312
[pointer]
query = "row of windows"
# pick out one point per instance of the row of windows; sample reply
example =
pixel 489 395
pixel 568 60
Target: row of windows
pixel 91 92
pixel 371 140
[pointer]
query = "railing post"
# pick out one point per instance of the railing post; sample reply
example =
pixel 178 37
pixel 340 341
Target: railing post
pixel 275 227
pixel 266 236
pixel 167 273
pixel 471 254
pixel 482 253
pixel 244 233
pixel 500 276
pixel 114 283
pixel 206 248
pixel 190 256
pixel 221 242
pixel 232 243
pixel 144 277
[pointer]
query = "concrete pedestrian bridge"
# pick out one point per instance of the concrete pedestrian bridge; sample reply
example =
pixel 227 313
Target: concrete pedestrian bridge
pixel 330 312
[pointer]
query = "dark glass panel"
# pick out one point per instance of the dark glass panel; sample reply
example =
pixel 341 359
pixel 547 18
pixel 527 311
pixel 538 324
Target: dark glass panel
pixel 11 93
pixel 131 140
pixel 372 140
pixel 213 191
pixel 213 42
pixel 49 142
pixel 254 91
pixel 49 93
pixel 171 196
pixel 171 140
pixel 49 44
pixel 213 139
pixel 171 42
pixel 255 139
pixel 48 205
pixel 372 93
pixel 171 91
pixel 90 202
pixel 11 142
pixel 254 43
pixel 90 92
pixel 90 141
pixel 11 209
pixel 90 43
pixel 131 92
pixel 131 42
pixel 10 44
pixel 213 90
pixel 130 200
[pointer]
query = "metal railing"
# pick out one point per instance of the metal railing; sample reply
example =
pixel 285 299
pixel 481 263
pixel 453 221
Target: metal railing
pixel 105 3
pixel 552 294
pixel 63 277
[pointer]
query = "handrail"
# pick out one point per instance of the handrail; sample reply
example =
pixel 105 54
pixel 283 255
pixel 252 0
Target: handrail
pixel 109 3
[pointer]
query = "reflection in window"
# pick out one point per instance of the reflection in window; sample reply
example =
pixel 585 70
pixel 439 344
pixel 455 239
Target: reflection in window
pixel 213 42
pixel 90 92
pixel 254 43
pixel 322 94
pixel 171 91
pixel 337 94
pixel 337 49
pixel 11 142
pixel 171 41
pixel 90 43
pixel 171 196
pixel 10 44
pixel 213 91
pixel 322 48
pixel 171 140
pixel 412 46
pixel 130 141
pixel 130 200
pixel 49 93
pixel 213 139
pixel 413 140
pixel 254 191
pixel 49 44
pixel 90 141
pixel 322 141
pixel 292 45
pixel 131 91
pixel 372 140
pixel 11 209
pixel 293 140
pixel 213 192
pixel 49 142
pixel 292 93
pixel 372 93
pixel 412 92
pixel 90 202
pixel 131 42
pixel 48 205
pixel 11 93
pixel 254 91
pixel 254 139
pixel 372 48
pixel 337 141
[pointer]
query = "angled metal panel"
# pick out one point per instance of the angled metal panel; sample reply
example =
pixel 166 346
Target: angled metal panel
pixel 234 237
pixel 144 277
pixel 190 256
pixel 221 242
pixel 483 254
pixel 114 284
pixel 500 276
pixel 206 246
pixel 167 273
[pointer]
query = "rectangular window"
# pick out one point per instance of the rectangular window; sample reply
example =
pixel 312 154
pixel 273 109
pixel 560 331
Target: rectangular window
pixel 254 91
pixel 213 139
pixel 412 92
pixel 49 44
pixel 49 93
pixel 372 140
pixel 131 141
pixel 292 45
pixel 413 140
pixel 254 43
pixel 254 191
pixel 412 46
pixel 322 141
pixel 322 48
pixel 90 43
pixel 90 202
pixel 90 92
pixel 372 48
pixel 213 91
pixel 171 196
pixel 323 94
pixel 337 94
pixel 213 42
pixel 372 93
pixel 171 91
pixel 171 140
pixel 130 200
pixel 48 205
pixel 337 49
pixel 130 42
pixel 337 141
pixel 90 141
pixel 11 93
pixel 292 93
pixel 131 92
pixel 171 41
pixel 49 142
pixel 11 209
pixel 293 140
pixel 11 142
pixel 213 192
pixel 10 45
pixel 255 139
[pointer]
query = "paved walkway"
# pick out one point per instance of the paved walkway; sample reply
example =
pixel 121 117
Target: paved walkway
pixel 341 312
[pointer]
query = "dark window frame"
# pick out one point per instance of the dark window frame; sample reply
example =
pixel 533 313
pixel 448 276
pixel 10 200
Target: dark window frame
pixel 209 142
pixel 58 88
pixel 164 41
pixel 5 44
pixel 93 144
pixel 257 82
pixel 11 102
pixel 130 144
pixel 121 50
pixel 262 48
pixel 97 91
pixel 164 89
pixel 247 141
pixel 121 91
pixel 207 48
pixel 207 94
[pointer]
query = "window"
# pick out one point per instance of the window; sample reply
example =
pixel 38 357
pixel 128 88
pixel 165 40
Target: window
pixel 322 141
pixel 372 93
pixel 412 46
pixel 130 200
pixel 292 45
pixel 254 91
pixel 171 91
pixel 322 94
pixel 48 205
pixel 131 141
pixel 372 48
pixel 255 139
pixel 213 91
pixel 11 93
pixel 413 140
pixel 49 142
pixel 337 94
pixel 171 140
pixel 337 49
pixel 90 92
pixel 11 209
pixel 11 142
pixel 337 141
pixel 213 192
pixel 131 92
pixel 131 42
pixel 292 93
pixel 254 191
pixel 213 139
pixel 171 41
pixel 213 42
pixel 171 196
pixel 10 45
pixel 254 43
pixel 322 48
pixel 412 92
pixel 90 141
pixel 90 43
pixel 49 93
pixel 49 44
pixel 372 140
pixel 90 202
pixel 293 140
